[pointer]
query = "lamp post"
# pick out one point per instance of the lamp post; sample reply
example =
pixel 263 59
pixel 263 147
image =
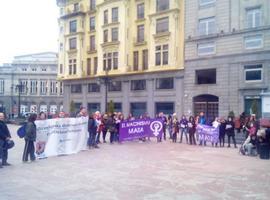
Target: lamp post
pixel 105 80
pixel 19 88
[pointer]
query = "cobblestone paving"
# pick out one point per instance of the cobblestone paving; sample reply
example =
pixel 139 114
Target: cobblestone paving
pixel 133 171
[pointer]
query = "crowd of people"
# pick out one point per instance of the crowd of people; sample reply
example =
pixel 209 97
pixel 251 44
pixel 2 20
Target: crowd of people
pixel 99 125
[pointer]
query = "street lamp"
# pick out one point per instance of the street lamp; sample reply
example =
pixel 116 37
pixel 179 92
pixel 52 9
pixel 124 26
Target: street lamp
pixel 19 88
pixel 105 80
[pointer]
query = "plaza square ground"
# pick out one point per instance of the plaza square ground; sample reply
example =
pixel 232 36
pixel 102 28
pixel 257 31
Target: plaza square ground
pixel 136 171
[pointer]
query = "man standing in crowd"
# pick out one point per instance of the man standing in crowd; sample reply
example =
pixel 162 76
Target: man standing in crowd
pixel 4 137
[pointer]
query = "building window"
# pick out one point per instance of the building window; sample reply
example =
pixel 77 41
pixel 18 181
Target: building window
pixel 206 76
pixel 92 43
pixel 206 48
pixel 117 107
pixel 104 62
pixel 24 69
pixel 206 2
pixel 254 18
pixel 253 73
pixel 114 34
pixel 24 85
pixel 61 68
pixel 88 70
pixel 72 43
pixel 140 33
pixel 34 69
pixel 162 25
pixel 138 85
pixel 109 61
pixel 138 109
pixel 76 88
pixel 76 7
pixel 105 36
pixel 140 11
pixel 43 87
pixel 135 60
pixel 162 54
pixel 162 5
pixel 93 87
pixel 145 59
pixel 53 87
pixel 92 24
pixel 166 107
pixel 93 107
pixel 105 17
pixel 115 86
pixel 114 14
pixel 44 69
pixel 72 66
pixel 207 26
pixel 253 105
pixel 73 26
pixel 115 60
pixel 95 65
pixel 254 42
pixel 2 86
pixel 61 47
pixel 33 86
pixel 61 88
pixel 92 5
pixel 164 83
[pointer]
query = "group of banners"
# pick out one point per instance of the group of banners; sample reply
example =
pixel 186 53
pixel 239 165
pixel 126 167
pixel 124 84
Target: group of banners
pixel 69 135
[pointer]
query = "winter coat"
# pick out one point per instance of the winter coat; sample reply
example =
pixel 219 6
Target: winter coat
pixel 191 127
pixel 30 131
pixel 92 126
pixel 230 128
pixel 4 132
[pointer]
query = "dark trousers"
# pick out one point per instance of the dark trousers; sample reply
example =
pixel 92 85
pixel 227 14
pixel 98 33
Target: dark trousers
pixel 111 137
pixel 229 140
pixel 92 139
pixel 164 132
pixel 192 138
pixel 174 137
pixel 3 151
pixel 29 149
pixel 221 140
pixel 104 133
pixel 98 138
pixel 184 131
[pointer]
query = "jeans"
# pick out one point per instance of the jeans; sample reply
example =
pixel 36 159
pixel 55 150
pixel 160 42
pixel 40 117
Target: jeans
pixel 184 131
pixel 104 133
pixel 229 140
pixel 174 138
pixel 98 138
pixel 251 150
pixel 29 149
pixel 192 138
pixel 111 137
pixel 92 139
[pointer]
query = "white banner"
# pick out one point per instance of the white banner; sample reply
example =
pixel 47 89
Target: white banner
pixel 61 136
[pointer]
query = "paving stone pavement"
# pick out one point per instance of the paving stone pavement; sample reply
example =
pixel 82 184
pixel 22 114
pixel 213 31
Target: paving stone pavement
pixel 134 171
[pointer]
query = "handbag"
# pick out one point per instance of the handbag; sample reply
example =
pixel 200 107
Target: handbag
pixel 10 144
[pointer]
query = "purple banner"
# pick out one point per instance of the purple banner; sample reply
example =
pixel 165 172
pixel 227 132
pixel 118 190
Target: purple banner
pixel 208 133
pixel 135 129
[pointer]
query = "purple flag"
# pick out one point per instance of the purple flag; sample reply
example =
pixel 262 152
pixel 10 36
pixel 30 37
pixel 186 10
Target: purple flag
pixel 135 129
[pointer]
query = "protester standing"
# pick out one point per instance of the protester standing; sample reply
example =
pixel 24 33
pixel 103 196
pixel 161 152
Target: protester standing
pixel 92 130
pixel 30 138
pixel 191 130
pixel 175 128
pixel 111 127
pixel 4 138
pixel 202 121
pixel 222 132
pixel 230 132
pixel 170 125
pixel 183 128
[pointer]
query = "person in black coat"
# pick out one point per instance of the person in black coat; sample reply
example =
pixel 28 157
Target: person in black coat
pixel 111 127
pixel 30 138
pixel 4 137
pixel 222 131
pixel 230 131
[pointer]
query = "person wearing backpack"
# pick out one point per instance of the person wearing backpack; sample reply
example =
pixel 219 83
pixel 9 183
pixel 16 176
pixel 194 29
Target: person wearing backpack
pixel 30 138
pixel 4 138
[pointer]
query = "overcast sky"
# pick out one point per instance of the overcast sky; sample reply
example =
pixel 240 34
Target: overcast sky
pixel 27 26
